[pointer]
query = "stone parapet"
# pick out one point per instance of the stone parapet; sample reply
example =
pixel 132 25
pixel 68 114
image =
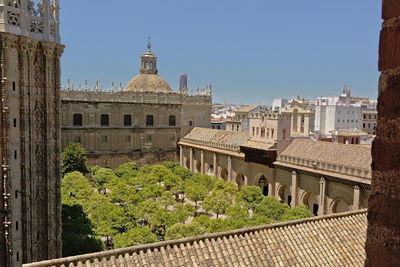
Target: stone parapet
pixel 173 97
pixel 230 147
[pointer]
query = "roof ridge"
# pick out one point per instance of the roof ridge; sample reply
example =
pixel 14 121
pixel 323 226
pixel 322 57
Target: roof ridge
pixel 130 250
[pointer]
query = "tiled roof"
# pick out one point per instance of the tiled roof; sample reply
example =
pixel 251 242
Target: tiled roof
pixel 217 136
pixel 259 145
pixel 246 109
pixel 354 156
pixel 332 240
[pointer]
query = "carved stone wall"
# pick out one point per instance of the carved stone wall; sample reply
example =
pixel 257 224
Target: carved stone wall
pixel 30 141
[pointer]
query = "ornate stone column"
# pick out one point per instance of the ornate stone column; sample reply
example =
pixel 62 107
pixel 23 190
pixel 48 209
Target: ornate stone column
pixel 271 187
pixel 215 163
pixel 202 162
pixel 322 196
pixel 181 155
pixel 356 197
pixel 307 124
pixel 295 185
pixel 299 123
pixel 229 168
pixel 191 159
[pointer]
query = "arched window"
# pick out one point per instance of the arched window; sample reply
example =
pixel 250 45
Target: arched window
pixel 283 134
pixel 146 65
pixel 172 120
pixel 149 120
pixel 151 65
pixel 77 120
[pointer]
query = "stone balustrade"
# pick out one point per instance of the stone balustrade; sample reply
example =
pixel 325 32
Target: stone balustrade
pixel 230 147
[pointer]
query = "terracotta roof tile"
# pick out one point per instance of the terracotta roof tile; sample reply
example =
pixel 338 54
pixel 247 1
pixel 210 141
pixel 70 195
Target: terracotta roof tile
pixel 332 240
pixel 355 156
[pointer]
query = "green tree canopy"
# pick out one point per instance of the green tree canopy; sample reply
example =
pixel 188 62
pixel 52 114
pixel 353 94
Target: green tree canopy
pixel 251 196
pixel 195 192
pixel 101 177
pixel 135 236
pixel 73 159
pixel 180 230
pixel 218 201
pixel 271 208
pixel 127 170
pixel 205 180
pixel 77 234
pixel 76 189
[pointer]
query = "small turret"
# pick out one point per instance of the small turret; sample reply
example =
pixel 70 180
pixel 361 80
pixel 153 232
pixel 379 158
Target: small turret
pixel 149 61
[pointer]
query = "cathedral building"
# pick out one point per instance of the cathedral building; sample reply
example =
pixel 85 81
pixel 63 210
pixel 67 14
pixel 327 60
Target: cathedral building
pixel 142 122
pixel 30 198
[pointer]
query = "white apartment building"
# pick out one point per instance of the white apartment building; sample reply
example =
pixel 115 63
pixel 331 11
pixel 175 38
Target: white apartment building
pixel 335 116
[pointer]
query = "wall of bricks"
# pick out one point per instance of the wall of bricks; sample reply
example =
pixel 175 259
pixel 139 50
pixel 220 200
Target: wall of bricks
pixel 383 235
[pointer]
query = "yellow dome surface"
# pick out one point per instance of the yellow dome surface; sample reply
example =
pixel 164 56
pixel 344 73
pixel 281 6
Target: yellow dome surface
pixel 148 83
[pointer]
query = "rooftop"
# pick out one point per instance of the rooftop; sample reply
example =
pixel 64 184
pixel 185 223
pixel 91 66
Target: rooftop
pixel 331 240
pixel 206 135
pixel 353 156
pixel 246 109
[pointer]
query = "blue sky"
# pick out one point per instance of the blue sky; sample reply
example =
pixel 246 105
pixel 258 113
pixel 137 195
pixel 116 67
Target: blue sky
pixel 252 51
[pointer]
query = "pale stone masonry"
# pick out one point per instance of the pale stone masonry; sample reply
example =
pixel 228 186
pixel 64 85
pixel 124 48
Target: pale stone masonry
pixel 141 123
pixel 326 177
pixel 30 147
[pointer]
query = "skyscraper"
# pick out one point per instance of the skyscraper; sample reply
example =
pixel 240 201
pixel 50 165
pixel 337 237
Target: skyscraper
pixel 182 82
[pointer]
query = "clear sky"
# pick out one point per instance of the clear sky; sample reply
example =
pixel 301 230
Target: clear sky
pixel 252 51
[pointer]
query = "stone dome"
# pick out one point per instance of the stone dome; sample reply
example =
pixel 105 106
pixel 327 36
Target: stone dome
pixel 148 83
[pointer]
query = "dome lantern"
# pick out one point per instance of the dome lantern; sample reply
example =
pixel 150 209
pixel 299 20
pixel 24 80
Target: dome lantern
pixel 148 80
pixel 149 61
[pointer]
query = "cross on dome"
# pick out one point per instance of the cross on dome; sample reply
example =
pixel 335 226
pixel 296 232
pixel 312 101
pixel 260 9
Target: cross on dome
pixel 148 45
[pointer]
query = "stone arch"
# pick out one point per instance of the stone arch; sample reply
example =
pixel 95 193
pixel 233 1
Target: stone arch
pixel 210 169
pixel 339 205
pixel 198 166
pixel 187 163
pixel 284 194
pixel 262 182
pixel 311 200
pixel 240 180
pixel 224 174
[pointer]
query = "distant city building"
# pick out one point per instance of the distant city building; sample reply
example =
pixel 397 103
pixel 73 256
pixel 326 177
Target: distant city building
pixel 219 124
pixel 340 112
pixel 302 117
pixel 369 116
pixel 240 121
pixel 183 82
pixel 278 104
pixel 352 136
pixel 269 127
pixel 141 123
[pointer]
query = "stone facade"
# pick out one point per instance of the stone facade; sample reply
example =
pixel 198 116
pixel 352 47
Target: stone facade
pixel 369 116
pixel 302 117
pixel 239 122
pixel 30 147
pixel 326 177
pixel 141 123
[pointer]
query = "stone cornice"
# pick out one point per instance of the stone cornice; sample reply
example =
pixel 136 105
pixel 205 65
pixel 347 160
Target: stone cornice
pixel 134 97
